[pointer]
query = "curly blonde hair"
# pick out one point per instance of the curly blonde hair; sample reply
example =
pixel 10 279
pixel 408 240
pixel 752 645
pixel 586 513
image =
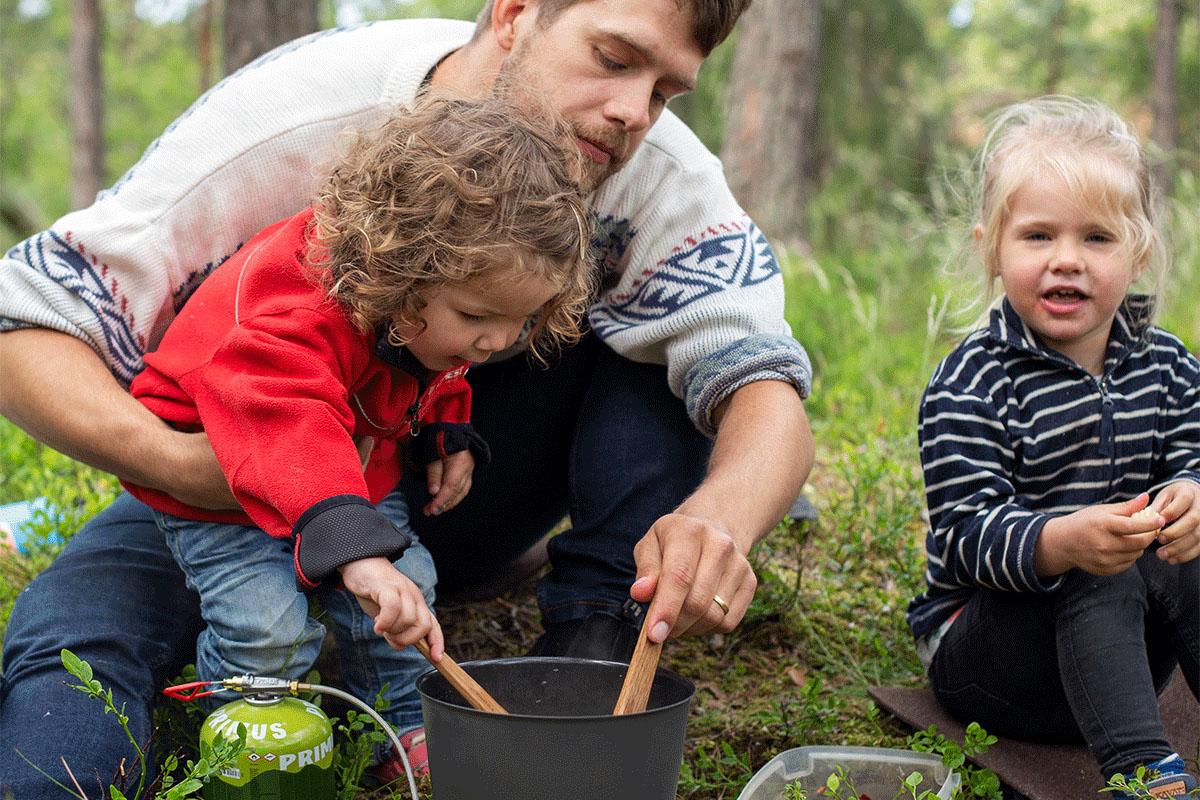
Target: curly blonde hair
pixel 451 191
pixel 1096 154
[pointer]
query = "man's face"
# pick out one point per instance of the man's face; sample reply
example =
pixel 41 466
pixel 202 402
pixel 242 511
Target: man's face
pixel 609 66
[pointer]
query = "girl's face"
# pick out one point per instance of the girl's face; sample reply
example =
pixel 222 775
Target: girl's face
pixel 1064 270
pixel 468 322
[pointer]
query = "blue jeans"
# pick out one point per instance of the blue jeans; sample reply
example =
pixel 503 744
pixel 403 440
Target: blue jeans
pixel 258 623
pixel 1083 664
pixel 595 436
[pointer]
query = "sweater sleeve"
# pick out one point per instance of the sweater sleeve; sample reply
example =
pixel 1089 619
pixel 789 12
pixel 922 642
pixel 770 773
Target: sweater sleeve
pixel 689 280
pixel 274 403
pixel 979 534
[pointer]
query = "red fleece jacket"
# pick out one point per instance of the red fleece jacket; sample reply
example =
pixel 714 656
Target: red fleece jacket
pixel 283 383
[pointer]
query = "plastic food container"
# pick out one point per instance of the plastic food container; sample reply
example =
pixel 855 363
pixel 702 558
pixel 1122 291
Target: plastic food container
pixel 878 773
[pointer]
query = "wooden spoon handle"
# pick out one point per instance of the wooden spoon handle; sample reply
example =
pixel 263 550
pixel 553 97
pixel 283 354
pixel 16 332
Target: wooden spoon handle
pixel 635 691
pixel 471 691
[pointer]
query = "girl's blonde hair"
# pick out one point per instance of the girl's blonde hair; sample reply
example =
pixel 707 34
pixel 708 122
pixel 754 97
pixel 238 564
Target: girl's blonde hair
pixel 451 191
pixel 1097 156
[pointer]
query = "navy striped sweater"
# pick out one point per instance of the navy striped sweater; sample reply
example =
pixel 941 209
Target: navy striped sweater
pixel 1012 433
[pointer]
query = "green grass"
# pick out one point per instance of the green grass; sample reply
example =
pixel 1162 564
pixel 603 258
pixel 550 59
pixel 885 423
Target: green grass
pixel 827 622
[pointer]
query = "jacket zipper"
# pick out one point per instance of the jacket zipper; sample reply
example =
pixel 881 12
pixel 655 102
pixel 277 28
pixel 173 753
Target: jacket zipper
pixel 1107 429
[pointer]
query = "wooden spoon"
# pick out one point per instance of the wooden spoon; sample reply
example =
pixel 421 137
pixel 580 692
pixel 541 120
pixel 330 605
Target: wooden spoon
pixel 467 686
pixel 635 691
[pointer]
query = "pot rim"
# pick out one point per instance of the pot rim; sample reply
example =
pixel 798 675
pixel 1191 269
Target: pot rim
pixel 675 678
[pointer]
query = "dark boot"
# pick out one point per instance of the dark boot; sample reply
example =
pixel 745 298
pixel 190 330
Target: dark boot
pixel 600 635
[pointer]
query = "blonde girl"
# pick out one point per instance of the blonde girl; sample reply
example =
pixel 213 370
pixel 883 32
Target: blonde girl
pixel 1061 451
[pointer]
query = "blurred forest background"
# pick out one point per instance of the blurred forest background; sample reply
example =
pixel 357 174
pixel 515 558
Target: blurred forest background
pixel 868 101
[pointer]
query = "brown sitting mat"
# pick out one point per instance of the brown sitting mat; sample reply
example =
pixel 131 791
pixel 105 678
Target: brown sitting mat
pixel 1044 771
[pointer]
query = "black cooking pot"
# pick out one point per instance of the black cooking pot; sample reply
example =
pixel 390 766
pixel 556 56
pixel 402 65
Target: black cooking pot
pixel 560 740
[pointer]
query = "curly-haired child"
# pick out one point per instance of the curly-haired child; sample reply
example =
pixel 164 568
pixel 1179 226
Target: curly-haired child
pixel 1061 450
pixel 330 350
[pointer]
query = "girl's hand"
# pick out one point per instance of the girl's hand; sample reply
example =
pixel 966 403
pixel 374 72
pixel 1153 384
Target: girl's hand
pixel 395 603
pixel 1179 505
pixel 449 480
pixel 1101 540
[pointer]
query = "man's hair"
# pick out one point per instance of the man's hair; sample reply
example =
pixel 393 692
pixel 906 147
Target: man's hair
pixel 455 190
pixel 714 19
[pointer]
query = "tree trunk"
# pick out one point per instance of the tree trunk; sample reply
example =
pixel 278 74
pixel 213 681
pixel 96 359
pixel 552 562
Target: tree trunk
pixel 1164 98
pixel 87 109
pixel 770 129
pixel 252 27
pixel 1053 52
pixel 204 44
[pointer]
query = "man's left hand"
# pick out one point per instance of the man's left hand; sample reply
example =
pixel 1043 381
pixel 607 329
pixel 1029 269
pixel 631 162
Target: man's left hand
pixel 685 563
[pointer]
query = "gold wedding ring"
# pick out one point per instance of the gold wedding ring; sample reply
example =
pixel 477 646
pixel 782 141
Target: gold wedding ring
pixel 720 601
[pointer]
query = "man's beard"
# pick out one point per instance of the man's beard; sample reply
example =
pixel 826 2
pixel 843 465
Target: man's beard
pixel 515 84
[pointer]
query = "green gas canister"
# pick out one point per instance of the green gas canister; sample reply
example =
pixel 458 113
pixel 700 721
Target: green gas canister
pixel 288 753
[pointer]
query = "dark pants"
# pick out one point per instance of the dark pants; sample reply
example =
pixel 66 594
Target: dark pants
pixel 596 435
pixel 1083 664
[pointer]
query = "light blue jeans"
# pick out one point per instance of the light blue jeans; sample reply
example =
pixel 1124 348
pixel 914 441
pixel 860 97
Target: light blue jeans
pixel 256 622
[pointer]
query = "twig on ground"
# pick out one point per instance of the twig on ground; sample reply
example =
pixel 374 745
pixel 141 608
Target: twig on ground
pixel 71 775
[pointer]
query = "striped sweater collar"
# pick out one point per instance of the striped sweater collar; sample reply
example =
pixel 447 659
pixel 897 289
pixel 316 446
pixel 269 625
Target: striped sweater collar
pixel 1128 331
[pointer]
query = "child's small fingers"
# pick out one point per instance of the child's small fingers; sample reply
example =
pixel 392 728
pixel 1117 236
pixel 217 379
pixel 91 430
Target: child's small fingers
pixel 437 641
pixel 451 495
pixel 389 613
pixel 433 477
pixel 440 501
pixel 1143 521
pixel 457 495
pixel 1183 547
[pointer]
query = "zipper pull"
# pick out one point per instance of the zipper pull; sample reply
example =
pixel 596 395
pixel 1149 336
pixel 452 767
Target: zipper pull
pixel 413 417
pixel 1106 423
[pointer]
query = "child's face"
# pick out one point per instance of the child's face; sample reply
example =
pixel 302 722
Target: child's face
pixel 1064 270
pixel 469 322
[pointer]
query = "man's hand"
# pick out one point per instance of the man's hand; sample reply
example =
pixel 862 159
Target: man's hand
pixel 1179 504
pixel 1100 540
pixel 703 562
pixel 56 389
pixel 448 481
pixel 762 455
pixel 395 603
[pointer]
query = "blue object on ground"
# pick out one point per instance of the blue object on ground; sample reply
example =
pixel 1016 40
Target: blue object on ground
pixel 18 520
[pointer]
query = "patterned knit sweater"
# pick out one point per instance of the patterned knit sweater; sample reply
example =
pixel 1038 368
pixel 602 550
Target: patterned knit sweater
pixel 689 281
pixel 1013 433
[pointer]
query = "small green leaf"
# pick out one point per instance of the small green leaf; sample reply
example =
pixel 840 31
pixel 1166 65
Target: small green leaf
pixel 188 786
pixel 76 665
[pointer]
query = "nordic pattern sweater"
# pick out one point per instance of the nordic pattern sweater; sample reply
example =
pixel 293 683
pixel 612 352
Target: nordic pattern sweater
pixel 1013 433
pixel 688 280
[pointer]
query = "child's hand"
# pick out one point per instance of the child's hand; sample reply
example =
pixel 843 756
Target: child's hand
pixel 1179 505
pixel 401 615
pixel 449 480
pixel 1101 540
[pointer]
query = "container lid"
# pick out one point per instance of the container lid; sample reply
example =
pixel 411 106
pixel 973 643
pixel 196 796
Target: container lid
pixel 812 765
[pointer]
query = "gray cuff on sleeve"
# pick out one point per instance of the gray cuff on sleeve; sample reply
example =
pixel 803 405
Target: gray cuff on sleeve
pixel 762 357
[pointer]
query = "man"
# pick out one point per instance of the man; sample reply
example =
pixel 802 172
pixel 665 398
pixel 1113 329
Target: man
pixel 690 307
